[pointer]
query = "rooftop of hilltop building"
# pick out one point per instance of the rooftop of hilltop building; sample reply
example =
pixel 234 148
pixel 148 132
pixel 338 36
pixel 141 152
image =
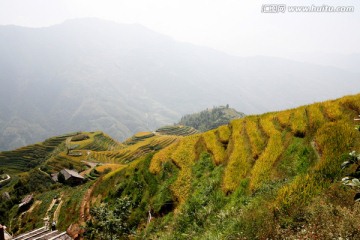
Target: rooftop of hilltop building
pixel 70 176
pixel 70 173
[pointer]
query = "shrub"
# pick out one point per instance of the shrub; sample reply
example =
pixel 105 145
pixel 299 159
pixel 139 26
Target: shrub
pixel 109 222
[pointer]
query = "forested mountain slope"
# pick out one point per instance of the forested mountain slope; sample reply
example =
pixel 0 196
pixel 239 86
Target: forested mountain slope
pixel 210 118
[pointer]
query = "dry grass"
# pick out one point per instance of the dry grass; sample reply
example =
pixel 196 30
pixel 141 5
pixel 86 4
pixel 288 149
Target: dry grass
pixel 214 146
pixel 160 157
pixel 224 133
pixel 184 157
pixel 143 134
pixel 111 166
pixel 332 110
pixel 316 117
pixel 257 139
pixel 275 146
pixel 299 121
pixel 284 117
pixel 240 159
pixel 297 193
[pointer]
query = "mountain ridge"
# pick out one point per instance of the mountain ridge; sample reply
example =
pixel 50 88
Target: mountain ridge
pixel 124 79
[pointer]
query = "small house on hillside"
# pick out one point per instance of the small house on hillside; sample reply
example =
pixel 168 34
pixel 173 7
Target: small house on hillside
pixel 70 177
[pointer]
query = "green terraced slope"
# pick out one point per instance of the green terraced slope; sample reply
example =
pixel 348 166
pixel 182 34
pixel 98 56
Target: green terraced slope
pixel 177 130
pixel 270 176
pixel 26 158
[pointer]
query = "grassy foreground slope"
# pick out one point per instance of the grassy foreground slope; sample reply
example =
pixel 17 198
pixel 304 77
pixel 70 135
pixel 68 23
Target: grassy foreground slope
pixel 270 176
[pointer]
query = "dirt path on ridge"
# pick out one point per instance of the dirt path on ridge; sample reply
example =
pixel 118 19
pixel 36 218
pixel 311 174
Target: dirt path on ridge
pixel 7 178
pixel 92 165
pixel 85 204
pixel 315 147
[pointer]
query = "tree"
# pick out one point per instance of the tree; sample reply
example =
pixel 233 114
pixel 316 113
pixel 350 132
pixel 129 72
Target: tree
pixel 21 188
pixel 109 222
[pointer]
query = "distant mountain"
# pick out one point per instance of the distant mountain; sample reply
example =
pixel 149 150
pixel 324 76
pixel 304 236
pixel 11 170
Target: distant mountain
pixel 349 62
pixel 90 74
pixel 210 118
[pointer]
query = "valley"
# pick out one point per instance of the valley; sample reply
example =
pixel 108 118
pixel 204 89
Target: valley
pixel 90 74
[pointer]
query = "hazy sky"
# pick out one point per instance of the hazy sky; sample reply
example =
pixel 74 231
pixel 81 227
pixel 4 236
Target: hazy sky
pixel 234 26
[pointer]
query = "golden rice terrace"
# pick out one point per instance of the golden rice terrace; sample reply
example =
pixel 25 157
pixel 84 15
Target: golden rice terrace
pixel 274 176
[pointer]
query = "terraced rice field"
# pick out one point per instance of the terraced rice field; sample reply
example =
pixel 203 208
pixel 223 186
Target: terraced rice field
pixel 28 157
pixel 263 148
pixel 177 130
pixel 290 156
pixel 133 151
pixel 98 141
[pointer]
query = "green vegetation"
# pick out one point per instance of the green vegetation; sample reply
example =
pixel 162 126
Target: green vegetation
pixel 353 160
pixel 177 130
pixel 133 149
pixel 210 118
pixel 139 137
pixel 26 158
pixel 109 222
pixel 97 141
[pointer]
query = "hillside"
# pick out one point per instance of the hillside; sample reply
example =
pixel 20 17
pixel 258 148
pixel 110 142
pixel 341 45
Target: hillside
pixel 93 154
pixel 91 74
pixel 177 130
pixel 31 156
pixel 275 175
pixel 210 118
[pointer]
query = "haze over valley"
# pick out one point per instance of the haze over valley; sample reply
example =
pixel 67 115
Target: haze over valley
pixel 91 74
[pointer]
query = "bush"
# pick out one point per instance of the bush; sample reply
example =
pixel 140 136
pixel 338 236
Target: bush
pixel 109 222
